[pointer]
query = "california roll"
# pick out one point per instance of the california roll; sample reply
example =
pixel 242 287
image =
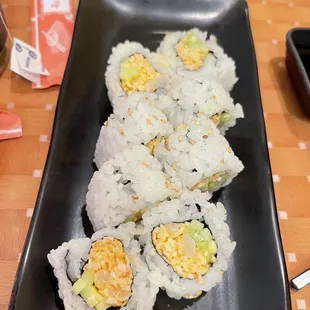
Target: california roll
pixel 186 245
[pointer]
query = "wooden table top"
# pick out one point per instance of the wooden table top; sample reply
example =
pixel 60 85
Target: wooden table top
pixel 22 160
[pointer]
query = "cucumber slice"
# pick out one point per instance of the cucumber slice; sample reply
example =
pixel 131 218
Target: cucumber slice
pixel 206 234
pixel 78 286
pixel 212 248
pixel 91 295
pixel 192 41
pixel 88 291
pixel 88 276
pixel 102 306
pixel 94 300
pixel 197 237
pixel 224 118
pixel 214 185
pixel 213 259
pixel 196 225
pixel 137 217
pixel 128 71
pixel 203 246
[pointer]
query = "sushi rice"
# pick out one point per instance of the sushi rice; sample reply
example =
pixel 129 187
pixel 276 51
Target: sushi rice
pixel 207 99
pixel 136 121
pixel 199 156
pixel 178 211
pixel 126 184
pixel 69 259
pixel 217 65
pixel 158 81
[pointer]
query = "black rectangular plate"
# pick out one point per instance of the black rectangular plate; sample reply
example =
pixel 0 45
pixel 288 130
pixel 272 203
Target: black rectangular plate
pixel 256 278
pixel 298 65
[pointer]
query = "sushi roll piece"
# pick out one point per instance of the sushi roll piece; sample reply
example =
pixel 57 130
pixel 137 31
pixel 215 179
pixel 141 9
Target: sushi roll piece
pixel 191 55
pixel 126 185
pixel 103 272
pixel 208 99
pixel 133 68
pixel 136 121
pixel 199 156
pixel 186 249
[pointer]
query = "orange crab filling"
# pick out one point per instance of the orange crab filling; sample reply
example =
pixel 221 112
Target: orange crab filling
pixel 187 247
pixel 135 73
pixel 192 52
pixel 107 278
pixel 113 277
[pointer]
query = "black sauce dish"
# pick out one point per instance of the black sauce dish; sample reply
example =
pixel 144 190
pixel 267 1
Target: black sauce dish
pixel 298 63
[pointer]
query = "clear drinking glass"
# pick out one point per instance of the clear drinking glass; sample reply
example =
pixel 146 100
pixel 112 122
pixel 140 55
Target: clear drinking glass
pixel 3 48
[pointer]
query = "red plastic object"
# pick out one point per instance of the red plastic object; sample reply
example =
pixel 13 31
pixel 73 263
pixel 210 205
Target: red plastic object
pixel 52 30
pixel 10 126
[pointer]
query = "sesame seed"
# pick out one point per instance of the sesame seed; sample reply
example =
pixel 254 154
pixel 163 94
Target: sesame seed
pixel 182 126
pixel 167 144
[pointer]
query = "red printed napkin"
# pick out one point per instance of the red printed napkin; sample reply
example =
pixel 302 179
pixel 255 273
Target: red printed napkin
pixel 52 29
